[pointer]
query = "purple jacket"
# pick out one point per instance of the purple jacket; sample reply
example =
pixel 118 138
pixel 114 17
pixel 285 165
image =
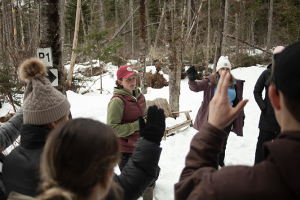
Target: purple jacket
pixel 207 85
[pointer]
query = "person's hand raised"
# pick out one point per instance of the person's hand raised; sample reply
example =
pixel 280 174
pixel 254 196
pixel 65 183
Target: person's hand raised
pixel 192 73
pixel 154 127
pixel 221 113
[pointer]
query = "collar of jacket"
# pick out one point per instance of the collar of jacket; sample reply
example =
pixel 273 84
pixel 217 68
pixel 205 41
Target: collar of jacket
pixel 136 92
pixel 33 137
pixel 269 66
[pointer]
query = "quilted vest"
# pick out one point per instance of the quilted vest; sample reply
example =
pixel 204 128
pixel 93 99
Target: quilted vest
pixel 132 109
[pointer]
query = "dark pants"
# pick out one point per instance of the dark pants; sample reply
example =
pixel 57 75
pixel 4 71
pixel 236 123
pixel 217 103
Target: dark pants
pixel 264 136
pixel 227 130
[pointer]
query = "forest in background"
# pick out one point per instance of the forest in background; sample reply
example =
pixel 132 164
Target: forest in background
pixel 171 33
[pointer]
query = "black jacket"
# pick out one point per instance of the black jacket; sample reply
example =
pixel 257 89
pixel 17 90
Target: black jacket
pixel 21 166
pixel 267 120
pixel 140 171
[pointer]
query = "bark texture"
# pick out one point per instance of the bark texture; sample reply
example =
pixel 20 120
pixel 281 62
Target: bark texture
pixel 75 40
pixel 50 36
pixel 220 31
pixel 143 47
pixel 270 24
pixel 175 59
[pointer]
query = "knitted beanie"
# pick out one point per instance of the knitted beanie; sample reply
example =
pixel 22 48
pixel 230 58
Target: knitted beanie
pixel 42 103
pixel 223 62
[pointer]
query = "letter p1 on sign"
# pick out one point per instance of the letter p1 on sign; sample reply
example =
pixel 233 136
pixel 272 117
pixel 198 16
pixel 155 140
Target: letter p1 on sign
pixel 45 54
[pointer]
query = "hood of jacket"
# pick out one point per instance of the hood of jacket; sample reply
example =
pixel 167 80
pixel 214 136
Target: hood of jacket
pixel 136 93
pixel 285 152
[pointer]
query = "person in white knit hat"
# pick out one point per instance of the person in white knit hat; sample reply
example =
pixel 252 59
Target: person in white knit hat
pixel 44 108
pixel 209 85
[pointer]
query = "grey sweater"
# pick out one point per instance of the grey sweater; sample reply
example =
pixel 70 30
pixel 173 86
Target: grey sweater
pixel 10 130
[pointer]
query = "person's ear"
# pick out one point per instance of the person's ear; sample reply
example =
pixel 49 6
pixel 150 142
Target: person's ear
pixel 52 125
pixel 120 82
pixel 274 97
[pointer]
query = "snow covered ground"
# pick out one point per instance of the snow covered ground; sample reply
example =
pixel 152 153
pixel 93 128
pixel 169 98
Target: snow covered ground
pixel 240 150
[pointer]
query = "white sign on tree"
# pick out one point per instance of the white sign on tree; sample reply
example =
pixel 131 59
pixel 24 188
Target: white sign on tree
pixel 45 54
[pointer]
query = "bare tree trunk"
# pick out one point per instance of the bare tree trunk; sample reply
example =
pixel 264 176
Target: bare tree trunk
pixel 175 67
pixel 236 38
pixel 131 26
pixel 194 22
pixel 6 25
pixel 270 24
pixel 223 50
pixel 76 31
pixel 116 12
pixel 1 36
pixel 242 6
pixel 21 24
pixel 220 30
pixel 143 47
pixel 39 33
pixel 92 14
pixel 160 25
pixel 14 22
pixel 83 24
pixel 208 37
pixel 183 17
pixel 62 30
pixel 252 29
pixel 169 38
pixel 102 22
pixel 29 25
pixel 50 27
pixel 148 27
pixel 188 14
pixel 159 7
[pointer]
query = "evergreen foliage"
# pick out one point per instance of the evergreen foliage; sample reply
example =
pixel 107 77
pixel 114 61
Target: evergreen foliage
pixel 9 84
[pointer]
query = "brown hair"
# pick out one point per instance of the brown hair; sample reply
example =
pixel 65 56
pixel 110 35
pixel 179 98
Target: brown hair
pixel 118 84
pixel 78 155
pixel 293 106
pixel 217 75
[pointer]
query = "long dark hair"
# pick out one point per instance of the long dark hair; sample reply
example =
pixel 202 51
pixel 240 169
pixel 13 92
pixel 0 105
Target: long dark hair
pixel 217 75
pixel 78 155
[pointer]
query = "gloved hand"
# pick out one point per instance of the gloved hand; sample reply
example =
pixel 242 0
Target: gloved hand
pixel 153 130
pixel 192 73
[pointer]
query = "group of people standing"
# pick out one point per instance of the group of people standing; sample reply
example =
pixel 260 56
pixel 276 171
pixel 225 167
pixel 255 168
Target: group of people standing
pixel 74 159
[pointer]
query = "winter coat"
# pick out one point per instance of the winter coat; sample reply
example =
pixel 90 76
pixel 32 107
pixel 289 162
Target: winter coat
pixel 139 172
pixel 207 85
pixel 122 114
pixel 21 166
pixel 267 120
pixel 277 177
pixel 9 132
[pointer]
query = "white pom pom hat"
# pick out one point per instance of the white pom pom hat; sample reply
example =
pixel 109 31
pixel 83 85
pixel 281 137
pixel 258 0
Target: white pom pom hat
pixel 223 62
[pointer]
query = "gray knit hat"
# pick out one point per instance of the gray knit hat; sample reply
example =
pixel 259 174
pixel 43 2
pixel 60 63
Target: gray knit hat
pixel 42 103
